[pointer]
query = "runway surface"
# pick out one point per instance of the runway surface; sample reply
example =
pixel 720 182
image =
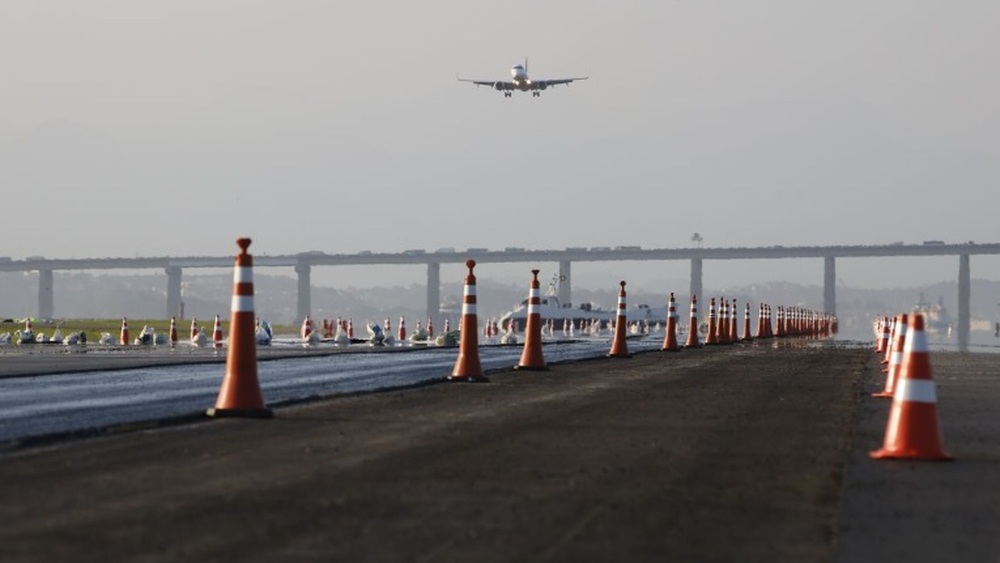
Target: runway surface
pixel 750 452
pixel 54 391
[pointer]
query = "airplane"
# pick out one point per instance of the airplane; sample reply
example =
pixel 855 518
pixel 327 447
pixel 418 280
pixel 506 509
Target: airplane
pixel 520 81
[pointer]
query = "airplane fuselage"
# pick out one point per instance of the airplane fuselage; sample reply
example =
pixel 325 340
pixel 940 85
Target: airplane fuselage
pixel 519 76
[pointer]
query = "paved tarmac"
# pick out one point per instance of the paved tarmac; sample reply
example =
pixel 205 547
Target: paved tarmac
pixel 750 452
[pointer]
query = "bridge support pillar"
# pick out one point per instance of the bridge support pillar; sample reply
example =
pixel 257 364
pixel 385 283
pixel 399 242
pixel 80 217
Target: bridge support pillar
pixel 434 294
pixel 696 282
pixel 565 288
pixel 304 306
pixel 964 309
pixel 174 292
pixel 45 282
pixel 830 285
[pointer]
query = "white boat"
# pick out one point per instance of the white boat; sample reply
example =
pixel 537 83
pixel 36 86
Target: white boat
pixel 936 317
pixel 586 314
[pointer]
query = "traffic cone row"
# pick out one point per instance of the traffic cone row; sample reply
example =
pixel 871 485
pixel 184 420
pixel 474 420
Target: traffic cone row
pixel 726 335
pixel 895 356
pixel 723 327
pixel 764 321
pixel 913 431
pixel 799 322
pixel 722 321
pixel 329 327
pixel 240 394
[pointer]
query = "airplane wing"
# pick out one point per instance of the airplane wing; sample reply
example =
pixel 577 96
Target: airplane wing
pixel 497 84
pixel 543 84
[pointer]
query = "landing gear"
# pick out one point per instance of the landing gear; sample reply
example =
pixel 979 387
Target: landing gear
pixel 506 94
pixel 536 94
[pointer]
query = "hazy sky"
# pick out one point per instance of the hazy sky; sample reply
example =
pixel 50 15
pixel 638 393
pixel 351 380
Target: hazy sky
pixel 171 128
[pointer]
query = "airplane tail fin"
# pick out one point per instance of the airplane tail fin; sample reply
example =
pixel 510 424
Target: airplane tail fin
pixel 526 65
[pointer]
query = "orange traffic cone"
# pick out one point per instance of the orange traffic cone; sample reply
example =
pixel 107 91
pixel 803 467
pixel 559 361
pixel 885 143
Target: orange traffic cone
pixel 692 337
pixel 723 327
pixel 173 332
pixel 240 393
pixel 531 356
pixel 712 336
pixel 307 327
pixel 913 431
pixel 895 356
pixel 761 319
pixel 194 328
pixel 746 324
pixel 670 339
pixel 467 366
pixel 402 329
pixel 721 321
pixel 430 329
pixel 883 339
pixel 733 326
pixel 217 333
pixel 731 332
pixel 733 336
pixel 123 336
pixel 619 345
pixel 887 352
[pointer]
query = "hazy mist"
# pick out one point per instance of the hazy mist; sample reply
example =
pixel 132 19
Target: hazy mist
pixel 143 296
pixel 135 128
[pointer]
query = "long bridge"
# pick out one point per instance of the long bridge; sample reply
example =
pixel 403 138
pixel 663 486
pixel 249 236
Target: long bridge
pixel 304 262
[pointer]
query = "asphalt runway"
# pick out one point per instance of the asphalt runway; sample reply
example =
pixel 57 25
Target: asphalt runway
pixel 749 452
pixel 41 359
